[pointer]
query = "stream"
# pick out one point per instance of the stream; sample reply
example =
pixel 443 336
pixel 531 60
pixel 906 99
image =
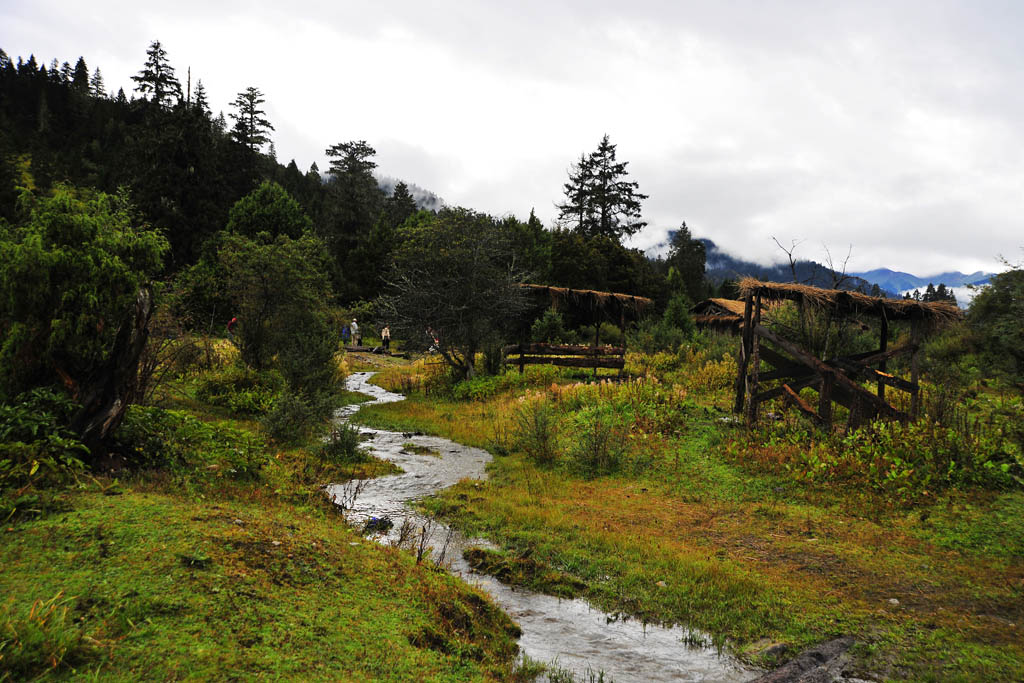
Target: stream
pixel 569 633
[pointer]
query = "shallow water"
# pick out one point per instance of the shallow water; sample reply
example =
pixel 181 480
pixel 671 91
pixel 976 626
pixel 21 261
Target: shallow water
pixel 570 632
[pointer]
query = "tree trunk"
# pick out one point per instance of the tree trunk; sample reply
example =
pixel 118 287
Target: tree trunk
pixel 106 396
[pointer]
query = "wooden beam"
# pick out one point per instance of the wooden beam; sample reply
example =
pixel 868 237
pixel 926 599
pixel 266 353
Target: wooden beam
pixel 776 359
pixel 800 404
pixel 566 349
pixel 825 401
pixel 616 363
pixel 885 378
pixel 778 391
pixel 882 346
pixel 755 364
pixel 885 355
pixel 840 379
pixel 744 355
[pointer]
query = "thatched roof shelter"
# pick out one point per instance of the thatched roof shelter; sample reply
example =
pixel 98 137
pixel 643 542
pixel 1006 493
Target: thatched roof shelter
pixel 723 315
pixel 719 307
pixel 609 303
pixel 843 302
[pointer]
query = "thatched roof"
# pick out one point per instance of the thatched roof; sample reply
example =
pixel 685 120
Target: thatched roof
pixel 843 302
pixel 720 307
pixel 590 299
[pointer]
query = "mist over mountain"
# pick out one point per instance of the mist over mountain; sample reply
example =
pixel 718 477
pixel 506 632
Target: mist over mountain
pixel 721 266
pixel 898 281
pixel 425 199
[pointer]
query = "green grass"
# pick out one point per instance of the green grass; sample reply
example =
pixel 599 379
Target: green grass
pixel 171 589
pixel 188 572
pixel 690 533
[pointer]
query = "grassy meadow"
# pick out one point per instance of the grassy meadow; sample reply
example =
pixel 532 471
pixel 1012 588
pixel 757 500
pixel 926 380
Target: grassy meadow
pixel 649 499
pixel 224 561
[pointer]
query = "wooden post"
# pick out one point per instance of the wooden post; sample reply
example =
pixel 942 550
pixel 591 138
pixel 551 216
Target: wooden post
pixel 882 347
pixel 521 352
pixel 744 354
pixel 825 402
pixel 915 369
pixel 755 365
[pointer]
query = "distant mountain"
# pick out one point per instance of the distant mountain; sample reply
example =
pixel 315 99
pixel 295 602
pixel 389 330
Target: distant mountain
pixel 900 282
pixel 722 266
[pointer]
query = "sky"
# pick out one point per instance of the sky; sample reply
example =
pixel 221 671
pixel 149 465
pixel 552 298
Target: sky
pixel 892 128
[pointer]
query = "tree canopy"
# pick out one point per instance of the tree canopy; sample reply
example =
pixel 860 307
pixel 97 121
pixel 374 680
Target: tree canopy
pixel 599 198
pixel 453 281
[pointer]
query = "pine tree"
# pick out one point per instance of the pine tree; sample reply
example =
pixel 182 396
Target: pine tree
pixel 80 78
pixel 399 206
pixel 96 85
pixel 65 72
pixel 157 77
pixel 687 256
pixel 251 126
pixel 576 209
pixel 600 199
pixel 200 101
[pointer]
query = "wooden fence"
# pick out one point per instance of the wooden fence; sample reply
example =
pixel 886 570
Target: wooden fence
pixel 566 355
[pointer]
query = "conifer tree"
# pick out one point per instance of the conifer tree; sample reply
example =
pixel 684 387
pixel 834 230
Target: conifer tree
pixel 200 101
pixel 251 126
pixel 687 256
pixel 157 77
pixel 599 197
pixel 80 77
pixel 96 85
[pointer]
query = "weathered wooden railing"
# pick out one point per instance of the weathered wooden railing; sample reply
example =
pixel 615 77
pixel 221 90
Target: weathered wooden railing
pixel 566 355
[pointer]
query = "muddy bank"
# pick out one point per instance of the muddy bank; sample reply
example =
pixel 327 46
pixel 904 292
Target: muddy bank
pixel 569 632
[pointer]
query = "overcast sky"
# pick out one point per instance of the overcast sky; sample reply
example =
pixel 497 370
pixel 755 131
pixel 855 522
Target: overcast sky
pixel 894 127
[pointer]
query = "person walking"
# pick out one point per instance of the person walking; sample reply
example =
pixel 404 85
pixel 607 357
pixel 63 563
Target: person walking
pixel 345 335
pixel 385 338
pixel 357 338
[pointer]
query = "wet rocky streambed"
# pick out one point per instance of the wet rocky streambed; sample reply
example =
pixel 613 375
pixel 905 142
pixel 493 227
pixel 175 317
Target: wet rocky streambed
pixel 570 633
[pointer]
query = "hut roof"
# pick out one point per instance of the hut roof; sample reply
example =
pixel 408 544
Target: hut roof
pixel 844 302
pixel 724 306
pixel 592 299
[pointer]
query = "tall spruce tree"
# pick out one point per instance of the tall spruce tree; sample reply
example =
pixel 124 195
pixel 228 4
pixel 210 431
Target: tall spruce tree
pixel 687 256
pixel 251 125
pixel 600 199
pixel 96 85
pixel 80 77
pixel 157 77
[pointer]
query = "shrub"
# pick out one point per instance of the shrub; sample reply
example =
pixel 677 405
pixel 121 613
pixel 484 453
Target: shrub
pixel 598 443
pixel 240 389
pixel 35 446
pixel 536 431
pixel 652 336
pixel 154 437
pixel 550 328
pixel 342 446
pixel 295 417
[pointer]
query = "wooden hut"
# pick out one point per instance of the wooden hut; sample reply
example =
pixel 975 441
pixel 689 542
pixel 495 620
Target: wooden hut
pixel 837 380
pixel 719 315
pixel 601 307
